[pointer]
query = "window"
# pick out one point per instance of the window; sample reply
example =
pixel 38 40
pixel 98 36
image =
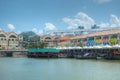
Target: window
pixel 12 36
pixel 2 35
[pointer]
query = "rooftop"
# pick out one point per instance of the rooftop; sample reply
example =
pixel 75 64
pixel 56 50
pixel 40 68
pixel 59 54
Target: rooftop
pixel 99 33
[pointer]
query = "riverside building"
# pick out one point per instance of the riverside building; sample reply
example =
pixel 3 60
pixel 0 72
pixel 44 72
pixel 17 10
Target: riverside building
pixel 9 40
pixel 100 38
pixel 49 39
pixel 98 45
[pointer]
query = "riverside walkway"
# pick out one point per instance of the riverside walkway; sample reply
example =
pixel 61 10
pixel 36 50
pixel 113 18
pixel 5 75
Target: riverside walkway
pixel 11 52
pixel 15 50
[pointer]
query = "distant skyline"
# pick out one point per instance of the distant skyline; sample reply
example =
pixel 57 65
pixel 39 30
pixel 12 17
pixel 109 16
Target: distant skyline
pixel 45 15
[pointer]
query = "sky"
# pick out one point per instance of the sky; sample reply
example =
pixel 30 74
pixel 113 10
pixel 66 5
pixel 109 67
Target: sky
pixel 50 15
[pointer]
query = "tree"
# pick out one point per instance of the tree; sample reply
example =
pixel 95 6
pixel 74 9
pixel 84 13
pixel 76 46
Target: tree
pixel 42 44
pixel 37 45
pixel 80 44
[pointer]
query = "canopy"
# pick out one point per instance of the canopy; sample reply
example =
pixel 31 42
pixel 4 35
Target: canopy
pixel 44 50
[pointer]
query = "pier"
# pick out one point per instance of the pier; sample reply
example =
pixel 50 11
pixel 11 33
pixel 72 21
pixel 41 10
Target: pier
pixel 10 53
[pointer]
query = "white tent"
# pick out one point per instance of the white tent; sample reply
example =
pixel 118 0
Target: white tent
pixel 107 46
pixel 116 46
pixel 78 47
pixel 97 47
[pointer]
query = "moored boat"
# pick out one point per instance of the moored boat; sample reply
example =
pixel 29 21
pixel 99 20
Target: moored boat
pixel 43 53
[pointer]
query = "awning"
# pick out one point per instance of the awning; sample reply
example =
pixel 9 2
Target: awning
pixel 44 50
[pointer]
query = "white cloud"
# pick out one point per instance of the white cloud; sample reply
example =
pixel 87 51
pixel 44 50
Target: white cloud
pixel 18 32
pixel 81 19
pixel 40 31
pixel 11 26
pixel 37 31
pixel 49 26
pixel 34 30
pixel 104 25
pixel 112 23
pixel 102 1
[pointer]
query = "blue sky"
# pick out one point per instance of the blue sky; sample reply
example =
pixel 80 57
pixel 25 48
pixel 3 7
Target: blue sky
pixel 45 15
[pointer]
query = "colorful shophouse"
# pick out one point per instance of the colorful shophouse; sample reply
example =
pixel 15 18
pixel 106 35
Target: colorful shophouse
pixel 101 38
pixel 105 41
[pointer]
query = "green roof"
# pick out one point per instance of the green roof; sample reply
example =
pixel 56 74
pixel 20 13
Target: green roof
pixel 43 50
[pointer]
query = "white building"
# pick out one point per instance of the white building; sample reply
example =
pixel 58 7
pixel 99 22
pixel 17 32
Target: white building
pixel 9 40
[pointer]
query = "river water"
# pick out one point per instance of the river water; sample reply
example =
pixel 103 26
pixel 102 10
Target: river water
pixel 58 69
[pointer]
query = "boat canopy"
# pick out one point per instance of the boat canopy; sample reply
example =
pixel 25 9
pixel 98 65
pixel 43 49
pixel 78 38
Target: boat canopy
pixel 44 50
